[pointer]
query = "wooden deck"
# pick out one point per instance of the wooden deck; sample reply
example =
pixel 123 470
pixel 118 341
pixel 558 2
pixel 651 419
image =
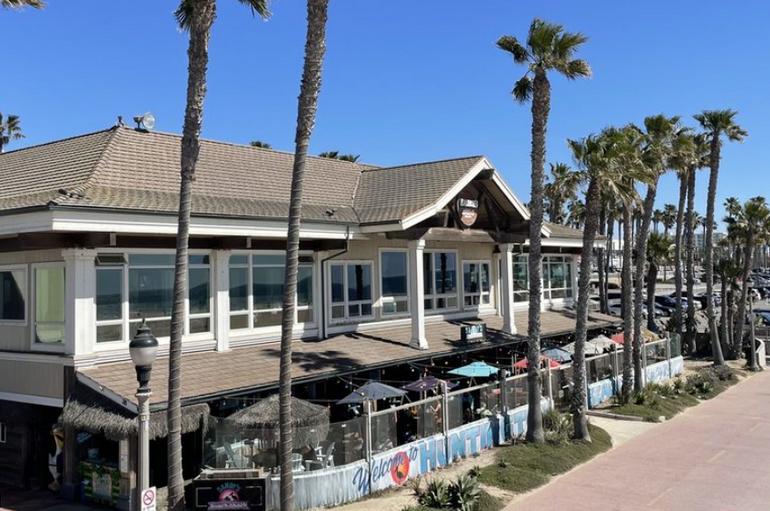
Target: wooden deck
pixel 209 374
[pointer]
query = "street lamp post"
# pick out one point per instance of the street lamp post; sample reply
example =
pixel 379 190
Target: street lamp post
pixel 143 349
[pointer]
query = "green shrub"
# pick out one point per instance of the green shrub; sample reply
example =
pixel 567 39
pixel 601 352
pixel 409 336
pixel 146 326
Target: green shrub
pixel 435 494
pixel 464 493
pixel 557 426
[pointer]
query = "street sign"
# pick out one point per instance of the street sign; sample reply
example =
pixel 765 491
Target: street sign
pixel 149 499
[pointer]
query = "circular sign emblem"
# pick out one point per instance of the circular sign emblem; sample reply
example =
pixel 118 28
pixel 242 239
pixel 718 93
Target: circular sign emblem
pixel 148 498
pixel 468 217
pixel 399 470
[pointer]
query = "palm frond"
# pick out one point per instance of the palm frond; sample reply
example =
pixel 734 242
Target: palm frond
pixel 567 43
pixel 514 47
pixel 541 38
pixel 18 4
pixel 522 90
pixel 574 69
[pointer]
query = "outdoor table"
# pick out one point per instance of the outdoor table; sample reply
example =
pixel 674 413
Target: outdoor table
pixel 313 465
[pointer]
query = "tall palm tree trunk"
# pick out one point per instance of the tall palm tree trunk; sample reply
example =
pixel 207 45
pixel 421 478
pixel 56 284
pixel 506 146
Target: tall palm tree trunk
pixel 678 254
pixel 652 277
pixel 541 100
pixel 690 263
pixel 716 347
pixel 641 250
pixel 600 254
pixel 723 323
pixel 603 298
pixel 579 403
pixel 315 48
pixel 202 18
pixel 740 318
pixel 627 305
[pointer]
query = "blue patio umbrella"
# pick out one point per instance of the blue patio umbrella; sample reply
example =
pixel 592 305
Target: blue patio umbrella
pixel 557 354
pixel 426 383
pixel 371 391
pixel 475 370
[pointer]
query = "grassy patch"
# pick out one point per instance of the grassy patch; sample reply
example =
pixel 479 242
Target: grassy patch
pixel 525 466
pixel 663 406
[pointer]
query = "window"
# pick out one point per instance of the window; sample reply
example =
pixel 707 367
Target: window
pixel 49 304
pixel 141 286
pixel 3 433
pixel 351 290
pixel 395 282
pixel 13 291
pixel 520 278
pixel 557 277
pixel 256 290
pixel 476 283
pixel 440 280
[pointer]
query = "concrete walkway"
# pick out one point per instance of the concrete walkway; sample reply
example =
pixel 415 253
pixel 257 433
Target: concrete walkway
pixel 715 456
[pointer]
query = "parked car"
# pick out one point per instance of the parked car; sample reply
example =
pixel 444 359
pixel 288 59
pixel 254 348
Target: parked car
pixel 699 304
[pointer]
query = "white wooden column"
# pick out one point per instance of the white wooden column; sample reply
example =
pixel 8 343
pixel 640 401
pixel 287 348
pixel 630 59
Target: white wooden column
pixel 417 294
pixel 575 263
pixel 506 287
pixel 80 305
pixel 222 299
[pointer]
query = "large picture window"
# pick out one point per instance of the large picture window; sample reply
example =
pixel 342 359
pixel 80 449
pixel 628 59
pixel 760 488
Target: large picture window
pixel 256 290
pixel 141 286
pixel 557 277
pixel 49 304
pixel 440 280
pixel 13 295
pixel 351 290
pixel 476 283
pixel 520 278
pixel 394 277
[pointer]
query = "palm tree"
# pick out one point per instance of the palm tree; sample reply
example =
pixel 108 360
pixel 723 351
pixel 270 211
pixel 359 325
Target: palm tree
pixel 18 4
pixel 561 188
pixel 598 160
pixel 657 218
pixel 668 217
pixel 337 156
pixel 548 48
pixel 753 223
pixel 715 123
pixel 315 49
pixel 259 143
pixel 658 135
pixel 577 213
pixel 658 251
pixel 196 17
pixel 10 129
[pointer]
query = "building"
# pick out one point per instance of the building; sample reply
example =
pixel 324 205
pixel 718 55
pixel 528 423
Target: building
pixel 394 255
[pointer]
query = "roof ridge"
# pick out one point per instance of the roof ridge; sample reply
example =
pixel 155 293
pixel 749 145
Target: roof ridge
pixel 93 174
pixel 43 144
pixel 248 146
pixel 475 156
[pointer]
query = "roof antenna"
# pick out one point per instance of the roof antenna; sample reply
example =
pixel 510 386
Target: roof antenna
pixel 120 121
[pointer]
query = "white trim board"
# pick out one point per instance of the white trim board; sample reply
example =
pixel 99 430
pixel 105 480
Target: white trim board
pixel 54 402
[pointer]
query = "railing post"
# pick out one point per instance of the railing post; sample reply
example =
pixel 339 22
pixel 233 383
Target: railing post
pixel 368 443
pixel 503 401
pixel 445 420
pixel 644 363
pixel 668 356
pixel 615 371
pixel 549 383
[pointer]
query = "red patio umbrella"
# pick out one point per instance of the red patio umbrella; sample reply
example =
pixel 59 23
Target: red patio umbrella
pixel 522 364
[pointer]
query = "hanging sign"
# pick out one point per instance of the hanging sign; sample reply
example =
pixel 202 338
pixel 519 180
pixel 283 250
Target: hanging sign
pixel 473 333
pixel 149 499
pixel 469 211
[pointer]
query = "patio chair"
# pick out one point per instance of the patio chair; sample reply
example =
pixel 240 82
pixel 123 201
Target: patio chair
pixel 328 458
pixel 296 463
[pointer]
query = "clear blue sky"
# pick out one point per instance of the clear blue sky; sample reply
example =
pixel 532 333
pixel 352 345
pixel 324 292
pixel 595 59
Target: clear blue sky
pixel 404 80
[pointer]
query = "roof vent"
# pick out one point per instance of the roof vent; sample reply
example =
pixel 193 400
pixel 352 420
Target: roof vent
pixel 330 212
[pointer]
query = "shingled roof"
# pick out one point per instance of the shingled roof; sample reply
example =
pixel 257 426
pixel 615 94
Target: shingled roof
pixel 125 169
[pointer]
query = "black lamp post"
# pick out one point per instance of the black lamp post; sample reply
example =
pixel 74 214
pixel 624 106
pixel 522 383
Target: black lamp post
pixel 143 349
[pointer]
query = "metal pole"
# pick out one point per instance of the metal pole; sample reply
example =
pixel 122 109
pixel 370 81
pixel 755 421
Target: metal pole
pixel 668 356
pixel 143 399
pixel 644 363
pixel 368 445
pixel 445 419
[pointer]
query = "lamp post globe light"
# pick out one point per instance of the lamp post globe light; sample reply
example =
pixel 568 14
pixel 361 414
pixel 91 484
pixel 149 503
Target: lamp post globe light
pixel 143 349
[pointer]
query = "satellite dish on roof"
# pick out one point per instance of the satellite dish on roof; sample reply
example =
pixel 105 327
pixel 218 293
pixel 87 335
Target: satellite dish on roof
pixel 145 122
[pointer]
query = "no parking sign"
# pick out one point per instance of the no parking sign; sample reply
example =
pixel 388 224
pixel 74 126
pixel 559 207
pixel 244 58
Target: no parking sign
pixel 149 499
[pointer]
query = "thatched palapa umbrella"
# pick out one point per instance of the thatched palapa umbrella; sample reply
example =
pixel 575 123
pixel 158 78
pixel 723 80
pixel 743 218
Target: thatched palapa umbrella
pixel 310 422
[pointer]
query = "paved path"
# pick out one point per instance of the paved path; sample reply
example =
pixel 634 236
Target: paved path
pixel 715 456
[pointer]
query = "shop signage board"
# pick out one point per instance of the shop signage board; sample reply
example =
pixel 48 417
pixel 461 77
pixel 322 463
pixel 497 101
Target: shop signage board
pixel 473 333
pixel 227 494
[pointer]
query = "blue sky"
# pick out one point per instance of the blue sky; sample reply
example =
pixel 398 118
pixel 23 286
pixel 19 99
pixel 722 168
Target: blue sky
pixel 404 80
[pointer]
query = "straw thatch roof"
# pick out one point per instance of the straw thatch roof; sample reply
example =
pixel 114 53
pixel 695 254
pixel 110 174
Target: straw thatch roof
pixel 310 422
pixel 86 410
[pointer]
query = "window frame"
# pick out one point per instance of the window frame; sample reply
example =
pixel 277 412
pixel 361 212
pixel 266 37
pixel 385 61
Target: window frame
pixel 41 346
pixel 524 261
pixel 251 311
pixel 346 303
pixel 382 299
pixel 569 291
pixel 481 293
pixel 128 322
pixel 25 292
pixel 433 296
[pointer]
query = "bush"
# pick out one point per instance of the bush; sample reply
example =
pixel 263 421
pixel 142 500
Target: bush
pixel 557 426
pixel 464 493
pixel 435 494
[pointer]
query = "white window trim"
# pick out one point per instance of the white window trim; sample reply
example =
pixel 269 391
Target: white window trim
pixel 41 346
pixel 128 323
pixel 481 306
pixel 26 293
pixel 393 299
pixel 434 296
pixel 346 303
pixel 251 329
pixel 526 265
pixel 547 290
